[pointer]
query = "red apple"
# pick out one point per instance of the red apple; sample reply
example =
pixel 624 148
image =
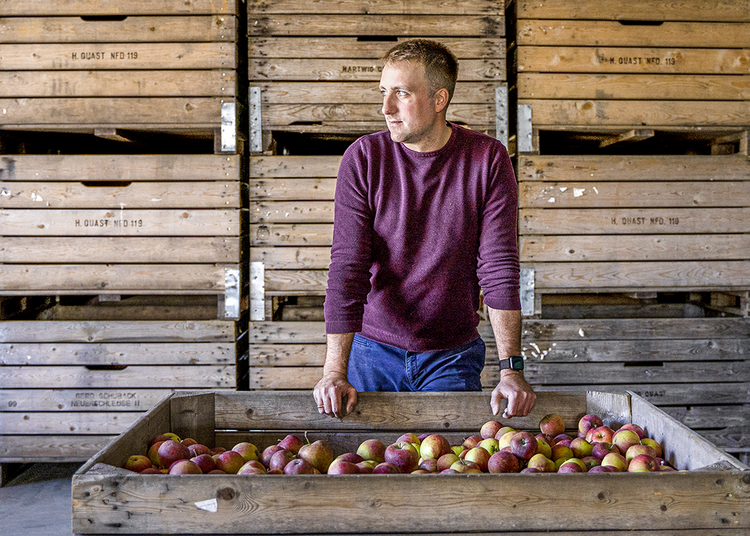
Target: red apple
pixel 552 424
pixel 372 449
pixel 643 463
pixel 340 466
pixel 198 449
pixel 654 445
pixel 151 471
pixel 248 451
pixel 216 472
pixel 366 466
pixel 185 467
pixel 218 450
pixel 489 429
pixel 527 470
pixel 471 441
pixel 600 450
pixel 205 462
pixel 636 450
pixel 291 443
pixel 268 452
pixel 280 458
pixel 637 429
pixel 170 451
pixel 446 460
pixel 434 446
pixel 319 454
pixel 252 467
pixel 624 439
pixel 299 466
pixel 603 469
pixel 403 455
pixel 430 465
pixel 562 437
pixel 504 430
pixel 138 463
pixel 479 456
pixel 409 437
pixel 600 434
pixel 462 466
pixel 350 457
pixel 523 445
pixel 189 441
pixel 230 462
pixel 503 461
pixel 571 466
pixel 153 453
pixel 591 461
pixel 587 422
pixel 561 452
pixel 159 438
pixel 386 468
pixel 615 460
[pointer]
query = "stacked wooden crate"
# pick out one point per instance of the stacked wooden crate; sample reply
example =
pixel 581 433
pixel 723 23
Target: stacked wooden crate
pixel 634 181
pixel 314 71
pixel 131 253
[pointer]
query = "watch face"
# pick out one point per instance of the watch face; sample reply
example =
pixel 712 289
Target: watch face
pixel 516 362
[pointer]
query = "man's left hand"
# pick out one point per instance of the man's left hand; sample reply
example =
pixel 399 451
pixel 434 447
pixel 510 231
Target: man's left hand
pixel 516 390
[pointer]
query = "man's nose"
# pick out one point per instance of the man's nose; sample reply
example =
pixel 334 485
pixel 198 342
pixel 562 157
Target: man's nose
pixel 388 104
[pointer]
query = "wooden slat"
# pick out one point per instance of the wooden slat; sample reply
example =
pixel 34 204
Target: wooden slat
pixel 134 376
pixel 358 70
pixel 599 33
pixel 114 278
pixel 283 258
pixel 51 448
pixel 38 423
pixel 187 222
pixel 686 114
pixel 698 417
pixel 633 221
pixel 294 166
pixel 93 167
pixel 288 189
pixel 43 353
pixel 388 25
pixel 220 28
pixel 291 211
pixel 29 331
pixel 291 235
pixel 205 83
pixel 643 10
pixel 294 355
pixel 589 248
pixel 177 112
pixel 632 60
pixel 687 275
pixel 71 195
pixel 115 7
pixel 375 7
pixel 83 250
pixel 276 92
pixel 282 282
pixel 558 168
pixel 328 47
pixel 634 194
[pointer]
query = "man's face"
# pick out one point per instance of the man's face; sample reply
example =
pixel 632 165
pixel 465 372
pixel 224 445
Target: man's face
pixel 410 112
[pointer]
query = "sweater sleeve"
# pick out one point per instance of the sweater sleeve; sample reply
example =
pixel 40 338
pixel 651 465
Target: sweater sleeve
pixel 351 258
pixel 498 266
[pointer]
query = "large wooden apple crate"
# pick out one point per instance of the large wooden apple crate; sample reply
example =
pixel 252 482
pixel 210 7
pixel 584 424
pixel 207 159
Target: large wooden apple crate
pixel 109 68
pixel 711 492
pixel 314 66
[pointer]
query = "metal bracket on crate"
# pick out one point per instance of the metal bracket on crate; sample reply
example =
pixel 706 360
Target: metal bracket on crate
pixel 231 293
pixel 229 127
pixel 501 114
pixel 525 131
pixel 256 130
pixel 257 291
pixel 527 291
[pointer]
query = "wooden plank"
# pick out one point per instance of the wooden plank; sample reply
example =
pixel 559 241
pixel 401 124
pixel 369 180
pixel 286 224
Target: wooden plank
pixel 193 415
pixel 295 355
pixel 385 25
pixel 81 400
pixel 291 234
pixel 289 189
pixel 637 10
pixel 375 7
pixel 51 448
pixel 70 195
pixel 123 112
pixel 631 247
pixel 83 250
pixel 633 221
pixel 186 222
pixel 277 92
pixel 479 116
pixel 294 166
pixel 188 28
pixel 291 211
pixel 133 376
pixel 713 416
pixel 686 114
pixel 115 7
pixel 632 194
pixel 600 33
pixel 290 258
pixel 632 60
pixel 39 423
pixel 633 86
pixel 184 83
pixel 358 70
pixel 559 168
pixel 94 167
pixel 306 282
pixel 687 275
pixel 114 278
pixel 42 353
pixel 21 331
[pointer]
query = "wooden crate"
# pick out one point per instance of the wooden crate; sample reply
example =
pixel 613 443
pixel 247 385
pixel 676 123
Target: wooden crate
pixel 314 66
pixel 610 68
pixel 71 386
pixel 712 494
pixel 121 224
pixel 96 67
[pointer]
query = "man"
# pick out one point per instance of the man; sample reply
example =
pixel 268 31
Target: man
pixel 425 215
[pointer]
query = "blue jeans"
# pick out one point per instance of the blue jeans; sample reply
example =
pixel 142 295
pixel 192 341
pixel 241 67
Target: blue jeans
pixel 374 366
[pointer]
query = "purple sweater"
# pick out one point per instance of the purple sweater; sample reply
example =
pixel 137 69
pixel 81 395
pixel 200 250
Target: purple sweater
pixel 416 235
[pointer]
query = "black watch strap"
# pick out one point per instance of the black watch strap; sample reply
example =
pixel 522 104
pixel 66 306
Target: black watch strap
pixel 514 362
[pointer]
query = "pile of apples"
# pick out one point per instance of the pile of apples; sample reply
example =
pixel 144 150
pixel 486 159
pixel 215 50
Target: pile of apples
pixel 495 449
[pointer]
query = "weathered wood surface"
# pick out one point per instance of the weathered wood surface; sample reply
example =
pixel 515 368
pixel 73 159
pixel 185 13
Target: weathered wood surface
pixel 637 10
pixel 81 400
pixel 115 7
pixel 376 7
pixel 61 29
pixel 614 34
pixel 113 167
pixel 314 234
pixel 51 448
pixel 40 423
pixel 316 24
pixel 290 258
pixel 85 250
pixel 183 83
pixel 294 166
pixel 288 189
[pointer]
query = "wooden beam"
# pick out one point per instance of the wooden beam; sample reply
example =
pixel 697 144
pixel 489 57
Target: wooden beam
pixel 629 136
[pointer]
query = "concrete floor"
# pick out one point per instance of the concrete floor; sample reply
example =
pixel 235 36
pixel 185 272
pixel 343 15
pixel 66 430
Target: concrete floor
pixel 37 502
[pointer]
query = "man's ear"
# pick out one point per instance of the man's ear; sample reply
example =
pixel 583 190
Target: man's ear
pixel 441 99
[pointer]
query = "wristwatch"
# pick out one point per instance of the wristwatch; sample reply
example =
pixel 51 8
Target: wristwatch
pixel 514 362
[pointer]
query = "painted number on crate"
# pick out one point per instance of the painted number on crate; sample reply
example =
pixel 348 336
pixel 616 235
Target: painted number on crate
pixel 106 223
pixel 658 220
pixel 117 399
pixel 12 403
pixel 99 55
pixel 636 60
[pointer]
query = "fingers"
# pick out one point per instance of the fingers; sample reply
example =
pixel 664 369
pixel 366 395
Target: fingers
pixel 331 397
pixel 520 404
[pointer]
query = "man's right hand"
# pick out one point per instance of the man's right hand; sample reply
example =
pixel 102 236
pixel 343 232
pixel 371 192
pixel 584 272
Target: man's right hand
pixel 332 391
